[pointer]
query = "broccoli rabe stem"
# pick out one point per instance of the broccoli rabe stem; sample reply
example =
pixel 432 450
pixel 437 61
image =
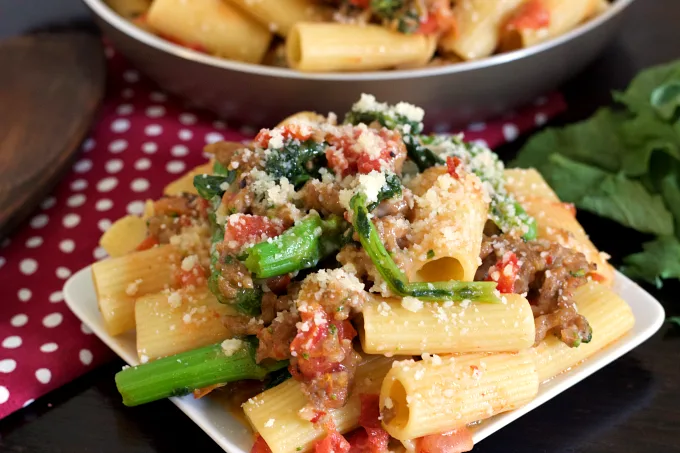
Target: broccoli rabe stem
pixel 396 280
pixel 299 247
pixel 183 373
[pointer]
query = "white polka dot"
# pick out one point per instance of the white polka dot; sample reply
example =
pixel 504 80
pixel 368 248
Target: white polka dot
pixel 476 127
pixel 24 294
pixel 56 296
pixel 143 164
pixel 541 100
pixel 99 253
pixel 481 142
pixel 175 166
pixel 39 221
pixel 103 205
pixel 85 356
pixel 85 329
pixel 541 119
pixel 28 403
pixel 71 220
pixel 185 134
pixel 76 200
pixel 2 261
pixel 510 132
pixel 135 207
pixel 4 394
pixel 52 320
pixel 213 137
pixel 149 147
pixel 114 165
pixel 7 365
pixel 120 125
pixel 155 111
pixel 131 76
pixel 127 93
pixel 49 347
pixel 48 202
pixel 118 146
pixel 63 272
pixel 219 124
pixel 89 144
pixel 125 109
pixel 43 375
pixel 107 184
pixel 67 246
pixel 179 150
pixel 187 119
pixel 82 166
pixel 153 130
pixel 28 266
pixel 78 184
pixel 139 185
pixel 12 342
pixel 19 320
pixel 35 241
pixel 157 96
pixel 104 225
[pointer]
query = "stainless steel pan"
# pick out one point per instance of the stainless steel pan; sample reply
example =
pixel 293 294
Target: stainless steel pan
pixel 456 94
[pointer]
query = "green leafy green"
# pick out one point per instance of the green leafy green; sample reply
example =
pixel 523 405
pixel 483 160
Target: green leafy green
pixel 295 161
pixel 624 164
pixel 209 186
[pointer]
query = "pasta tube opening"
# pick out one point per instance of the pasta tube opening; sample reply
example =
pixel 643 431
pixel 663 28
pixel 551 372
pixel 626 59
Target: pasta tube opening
pixel 447 268
pixel 396 410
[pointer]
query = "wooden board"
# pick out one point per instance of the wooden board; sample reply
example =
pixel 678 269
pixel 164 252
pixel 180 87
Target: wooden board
pixel 51 85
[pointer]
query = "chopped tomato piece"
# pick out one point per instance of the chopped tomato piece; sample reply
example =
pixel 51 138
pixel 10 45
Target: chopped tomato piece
pixel 505 272
pixel 147 243
pixel 570 207
pixel 596 277
pixel 358 441
pixel 348 156
pixel 260 446
pixel 193 277
pixel 454 441
pixel 242 229
pixel 334 442
pixel 530 16
pixel 439 18
pixel 369 419
pixel 289 131
pixel 452 165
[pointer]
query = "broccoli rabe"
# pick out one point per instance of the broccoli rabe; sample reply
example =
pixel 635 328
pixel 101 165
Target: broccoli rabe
pixel 296 161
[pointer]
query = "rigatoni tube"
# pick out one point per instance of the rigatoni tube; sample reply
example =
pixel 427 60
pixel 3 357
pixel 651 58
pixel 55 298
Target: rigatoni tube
pixel 409 326
pixel 346 47
pixel 439 394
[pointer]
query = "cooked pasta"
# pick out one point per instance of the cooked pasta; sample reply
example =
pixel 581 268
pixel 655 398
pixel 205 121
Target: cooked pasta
pixel 393 326
pixel 363 300
pixel 357 35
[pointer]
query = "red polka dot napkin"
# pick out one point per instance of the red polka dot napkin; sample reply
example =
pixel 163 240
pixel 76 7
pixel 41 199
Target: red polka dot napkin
pixel 142 140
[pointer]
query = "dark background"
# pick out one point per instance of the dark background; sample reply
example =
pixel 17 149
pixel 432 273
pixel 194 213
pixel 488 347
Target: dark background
pixel 632 405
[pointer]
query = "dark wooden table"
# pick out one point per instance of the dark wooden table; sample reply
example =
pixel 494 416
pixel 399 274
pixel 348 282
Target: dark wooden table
pixel 633 405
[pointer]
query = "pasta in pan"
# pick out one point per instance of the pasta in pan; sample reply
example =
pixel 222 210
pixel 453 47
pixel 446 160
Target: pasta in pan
pixel 357 35
pixel 374 286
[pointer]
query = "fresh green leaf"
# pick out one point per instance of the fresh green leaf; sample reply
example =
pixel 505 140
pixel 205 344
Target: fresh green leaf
pixel 220 169
pixel 670 190
pixel 666 99
pixel 675 320
pixel 609 195
pixel 596 141
pixel 658 261
pixel 209 186
pixel 638 95
pixel 645 136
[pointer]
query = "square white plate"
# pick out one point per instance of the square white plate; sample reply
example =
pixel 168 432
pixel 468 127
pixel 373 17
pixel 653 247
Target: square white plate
pixel 234 437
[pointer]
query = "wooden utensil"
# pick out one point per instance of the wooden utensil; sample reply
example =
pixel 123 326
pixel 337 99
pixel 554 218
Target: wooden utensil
pixel 51 85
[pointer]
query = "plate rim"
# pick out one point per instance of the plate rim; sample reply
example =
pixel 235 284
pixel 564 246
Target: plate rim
pixel 576 374
pixel 105 13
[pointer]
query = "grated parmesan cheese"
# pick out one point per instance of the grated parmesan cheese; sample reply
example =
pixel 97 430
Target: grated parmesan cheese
pixel 231 346
pixel 412 304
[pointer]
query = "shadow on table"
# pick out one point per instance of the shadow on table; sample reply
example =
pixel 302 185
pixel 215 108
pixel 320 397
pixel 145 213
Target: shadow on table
pixel 580 414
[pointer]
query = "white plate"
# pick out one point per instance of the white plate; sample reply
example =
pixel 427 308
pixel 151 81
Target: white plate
pixel 234 437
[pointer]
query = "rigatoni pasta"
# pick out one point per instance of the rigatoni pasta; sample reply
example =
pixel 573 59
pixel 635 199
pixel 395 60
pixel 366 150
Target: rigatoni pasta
pixel 344 35
pixel 409 326
pixel 465 283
